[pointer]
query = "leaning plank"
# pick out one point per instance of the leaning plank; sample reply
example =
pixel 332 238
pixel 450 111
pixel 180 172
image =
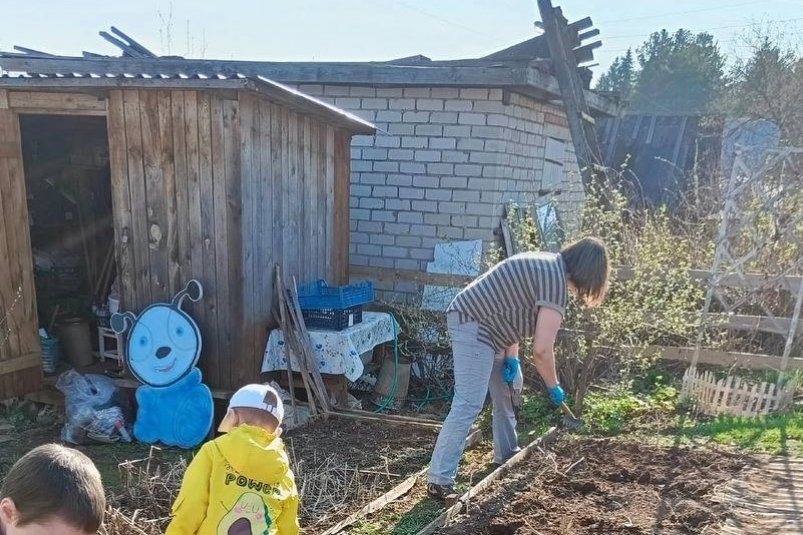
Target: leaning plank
pixel 295 310
pixel 14 365
pixel 371 417
pixel 394 417
pixel 497 474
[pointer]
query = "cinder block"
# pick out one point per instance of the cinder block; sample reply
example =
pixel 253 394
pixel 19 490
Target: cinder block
pixel 438 195
pixel 383 239
pixel 484 157
pixel 415 142
pixel 445 117
pixel 450 233
pixel 414 218
pixel 474 93
pixel 425 206
pixel 487 132
pixel 445 92
pixel 369 250
pixel 481 183
pixel 456 131
pixel 427 155
pixel 358 259
pixel 471 118
pixel 387 92
pixel 442 143
pixel 311 89
pixel 466 196
pixel 362 92
pixel 440 168
pixel 375 154
pixel 464 221
pixel 389 116
pixel 400 155
pixel 437 219
pixel 397 204
pixel 494 119
pixel 347 103
pixel 489 106
pixel 374 104
pixel 415 116
pixel 373 179
pixel 409 288
pixel 423 231
pixel 397 229
pixel 458 105
pixel 386 167
pixel 399 180
pixel 401 129
pixel 454 182
pixel 411 193
pixel 426 181
pixel 468 170
pixel 452 207
pixel 360 191
pixel 388 141
pixel 358 166
pixel 402 104
pixel 424 254
pixel 412 167
pixel 429 104
pixel 371 203
pixel 428 130
pixel 470 144
pixel 380 261
pixel 336 90
pixel 453 156
pixel 408 241
pixel 417 92
pixel 386 191
pixel 359 214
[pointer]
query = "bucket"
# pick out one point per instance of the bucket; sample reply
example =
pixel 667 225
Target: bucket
pixel 384 383
pixel 50 354
pixel 114 305
pixel 76 341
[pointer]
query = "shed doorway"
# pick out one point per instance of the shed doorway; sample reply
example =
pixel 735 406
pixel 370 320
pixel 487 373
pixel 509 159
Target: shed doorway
pixel 68 187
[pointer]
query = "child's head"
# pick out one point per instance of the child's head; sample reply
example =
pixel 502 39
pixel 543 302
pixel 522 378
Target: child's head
pixel 257 405
pixel 52 490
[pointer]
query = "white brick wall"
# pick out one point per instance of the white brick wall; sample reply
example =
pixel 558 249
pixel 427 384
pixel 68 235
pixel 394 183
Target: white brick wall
pixel 450 161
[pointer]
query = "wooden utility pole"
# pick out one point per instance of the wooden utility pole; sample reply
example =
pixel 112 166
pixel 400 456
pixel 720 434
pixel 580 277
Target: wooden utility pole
pixel 581 124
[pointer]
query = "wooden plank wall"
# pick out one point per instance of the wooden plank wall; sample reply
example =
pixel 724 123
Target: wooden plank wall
pixel 20 353
pixel 295 179
pixel 219 187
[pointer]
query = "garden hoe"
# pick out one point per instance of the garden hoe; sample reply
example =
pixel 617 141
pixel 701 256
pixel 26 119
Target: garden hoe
pixel 569 421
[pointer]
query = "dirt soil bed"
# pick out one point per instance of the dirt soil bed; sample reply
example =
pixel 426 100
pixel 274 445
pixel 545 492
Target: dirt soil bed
pixel 618 487
pixel 342 464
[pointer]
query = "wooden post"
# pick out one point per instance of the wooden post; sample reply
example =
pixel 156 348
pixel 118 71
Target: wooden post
pixel 584 138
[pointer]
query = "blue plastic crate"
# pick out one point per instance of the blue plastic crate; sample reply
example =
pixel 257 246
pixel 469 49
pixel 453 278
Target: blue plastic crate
pixel 318 295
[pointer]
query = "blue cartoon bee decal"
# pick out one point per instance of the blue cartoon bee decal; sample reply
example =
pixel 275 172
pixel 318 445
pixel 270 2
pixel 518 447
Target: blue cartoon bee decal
pixel 164 345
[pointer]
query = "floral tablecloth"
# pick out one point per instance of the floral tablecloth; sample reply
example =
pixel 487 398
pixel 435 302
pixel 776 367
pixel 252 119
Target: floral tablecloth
pixel 338 353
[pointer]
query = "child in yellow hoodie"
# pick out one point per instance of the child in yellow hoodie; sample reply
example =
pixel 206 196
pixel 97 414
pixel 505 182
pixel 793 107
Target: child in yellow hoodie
pixel 241 482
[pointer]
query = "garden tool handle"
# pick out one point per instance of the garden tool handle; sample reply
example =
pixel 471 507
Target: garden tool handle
pixel 567 411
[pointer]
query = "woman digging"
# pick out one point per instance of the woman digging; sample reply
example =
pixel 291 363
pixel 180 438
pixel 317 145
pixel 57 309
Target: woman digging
pixel 523 296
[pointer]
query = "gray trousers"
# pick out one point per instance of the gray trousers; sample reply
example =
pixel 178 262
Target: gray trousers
pixel 477 370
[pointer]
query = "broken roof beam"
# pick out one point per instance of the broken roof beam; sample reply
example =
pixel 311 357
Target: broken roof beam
pixel 585 53
pixel 127 50
pixel 132 43
pixel 33 52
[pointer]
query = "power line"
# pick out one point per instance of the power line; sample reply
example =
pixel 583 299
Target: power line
pixel 782 21
pixel 728 6
pixel 444 20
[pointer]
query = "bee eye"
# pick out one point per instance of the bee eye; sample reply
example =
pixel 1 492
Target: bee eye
pixel 180 331
pixel 143 341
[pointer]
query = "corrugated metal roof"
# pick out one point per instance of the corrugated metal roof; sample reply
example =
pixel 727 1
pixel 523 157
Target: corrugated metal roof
pixel 260 85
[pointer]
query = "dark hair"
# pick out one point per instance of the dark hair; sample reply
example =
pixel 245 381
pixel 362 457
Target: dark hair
pixel 53 482
pixel 588 268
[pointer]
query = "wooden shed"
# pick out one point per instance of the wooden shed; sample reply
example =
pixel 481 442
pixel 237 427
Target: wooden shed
pixel 170 179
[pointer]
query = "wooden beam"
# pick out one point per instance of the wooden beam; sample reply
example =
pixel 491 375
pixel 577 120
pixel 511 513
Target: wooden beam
pixel 724 358
pixel 584 137
pixel 407 275
pixel 588 35
pixel 14 365
pixel 788 283
pixel 133 44
pixel 55 101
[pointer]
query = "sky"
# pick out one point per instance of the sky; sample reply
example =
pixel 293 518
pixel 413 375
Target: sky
pixel 362 30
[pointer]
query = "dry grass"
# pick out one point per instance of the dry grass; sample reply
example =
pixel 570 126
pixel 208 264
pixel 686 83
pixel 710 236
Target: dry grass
pixel 149 489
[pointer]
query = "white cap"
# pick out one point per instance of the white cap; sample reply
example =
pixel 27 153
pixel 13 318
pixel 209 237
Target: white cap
pixel 254 397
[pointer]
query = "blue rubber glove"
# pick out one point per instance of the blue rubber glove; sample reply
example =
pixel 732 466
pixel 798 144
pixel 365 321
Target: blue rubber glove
pixel 556 395
pixel 510 369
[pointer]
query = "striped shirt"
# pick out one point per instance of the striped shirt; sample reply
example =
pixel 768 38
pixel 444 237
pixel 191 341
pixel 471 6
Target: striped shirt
pixel 505 300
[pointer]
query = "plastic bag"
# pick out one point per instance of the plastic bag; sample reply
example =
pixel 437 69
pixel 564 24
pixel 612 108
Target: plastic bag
pixel 95 409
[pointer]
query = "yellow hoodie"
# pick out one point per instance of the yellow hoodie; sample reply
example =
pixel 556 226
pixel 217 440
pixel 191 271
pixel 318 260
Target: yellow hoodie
pixel 238 484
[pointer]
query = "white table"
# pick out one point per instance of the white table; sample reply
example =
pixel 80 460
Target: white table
pixel 337 352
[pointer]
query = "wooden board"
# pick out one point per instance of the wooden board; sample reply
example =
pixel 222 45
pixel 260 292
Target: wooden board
pixel 249 173
pixel 340 217
pixel 75 102
pixel 180 252
pixel 20 353
pixel 724 358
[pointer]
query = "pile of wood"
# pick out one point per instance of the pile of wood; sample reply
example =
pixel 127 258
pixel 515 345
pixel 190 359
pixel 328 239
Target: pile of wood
pixel 297 343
